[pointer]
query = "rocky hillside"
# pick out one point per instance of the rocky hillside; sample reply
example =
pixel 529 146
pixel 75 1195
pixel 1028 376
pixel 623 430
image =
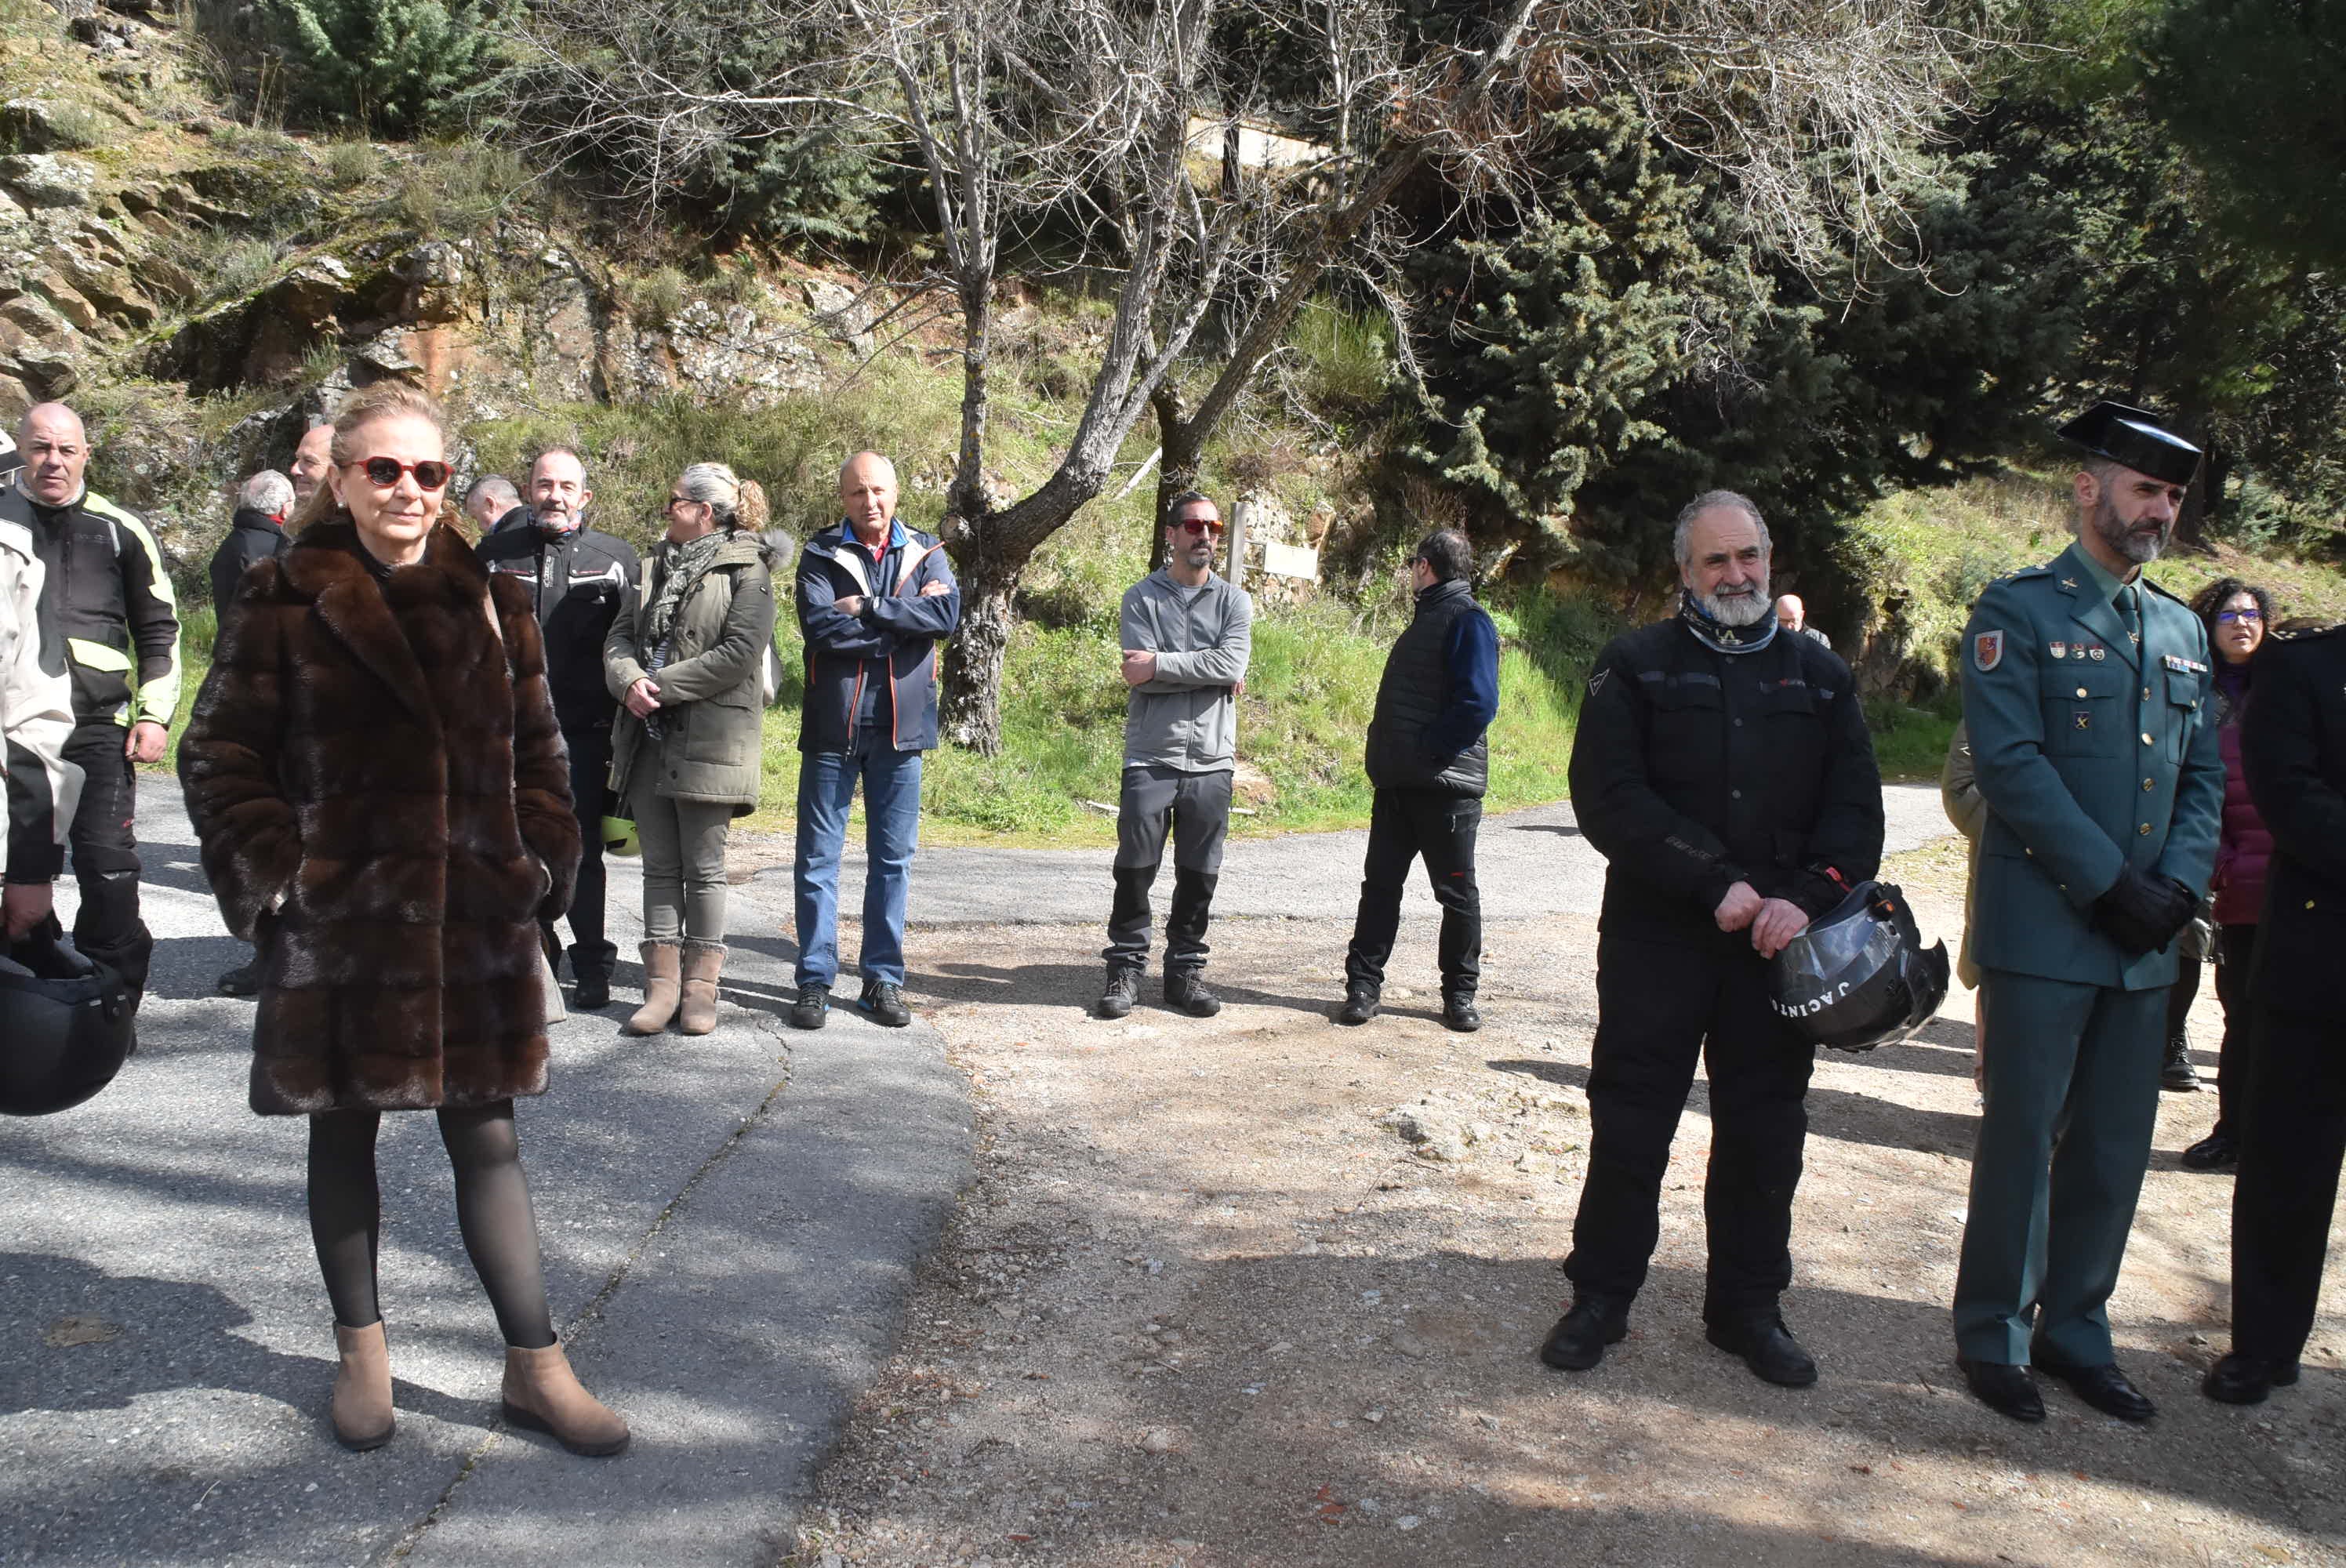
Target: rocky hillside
pixel 202 287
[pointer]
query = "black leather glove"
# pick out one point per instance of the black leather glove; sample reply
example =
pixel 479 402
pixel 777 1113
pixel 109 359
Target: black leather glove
pixel 2143 913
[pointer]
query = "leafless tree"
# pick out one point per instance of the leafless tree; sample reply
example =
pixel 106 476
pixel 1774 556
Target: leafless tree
pixel 1081 113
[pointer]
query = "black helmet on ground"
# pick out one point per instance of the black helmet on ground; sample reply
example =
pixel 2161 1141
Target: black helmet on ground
pixel 66 1026
pixel 1860 977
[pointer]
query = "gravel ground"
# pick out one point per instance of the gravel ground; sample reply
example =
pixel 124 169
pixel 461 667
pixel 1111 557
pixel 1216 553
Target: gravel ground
pixel 1261 1290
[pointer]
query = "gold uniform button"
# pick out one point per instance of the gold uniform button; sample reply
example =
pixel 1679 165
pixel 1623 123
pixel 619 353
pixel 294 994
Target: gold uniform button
pixel 2144 830
pixel 2145 786
pixel 2145 694
pixel 2081 692
pixel 2145 738
pixel 2309 904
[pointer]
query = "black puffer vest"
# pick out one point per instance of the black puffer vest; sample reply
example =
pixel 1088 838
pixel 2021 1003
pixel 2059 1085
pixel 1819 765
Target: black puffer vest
pixel 1414 692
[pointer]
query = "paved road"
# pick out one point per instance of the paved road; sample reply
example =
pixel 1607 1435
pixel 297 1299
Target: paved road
pixel 1530 863
pixel 731 1226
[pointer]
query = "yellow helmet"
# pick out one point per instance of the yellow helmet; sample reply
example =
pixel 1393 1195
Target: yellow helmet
pixel 619 838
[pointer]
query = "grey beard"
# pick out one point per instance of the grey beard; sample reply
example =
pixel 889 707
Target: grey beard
pixel 1741 611
pixel 2138 548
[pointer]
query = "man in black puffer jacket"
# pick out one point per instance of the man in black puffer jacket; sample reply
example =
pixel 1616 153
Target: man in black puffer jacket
pixel 1722 769
pixel 1429 761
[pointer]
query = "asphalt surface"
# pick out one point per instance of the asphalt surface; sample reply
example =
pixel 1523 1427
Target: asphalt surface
pixel 731 1226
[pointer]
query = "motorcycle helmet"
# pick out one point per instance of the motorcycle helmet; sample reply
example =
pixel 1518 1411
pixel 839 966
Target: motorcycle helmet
pixel 65 1027
pixel 619 838
pixel 1860 977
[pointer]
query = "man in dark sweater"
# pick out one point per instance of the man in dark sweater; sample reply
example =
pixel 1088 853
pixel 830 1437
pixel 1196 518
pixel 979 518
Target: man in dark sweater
pixel 576 574
pixel 1722 769
pixel 1430 762
pixel 256 533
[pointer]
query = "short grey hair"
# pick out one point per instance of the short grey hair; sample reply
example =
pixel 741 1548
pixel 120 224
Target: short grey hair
pixel 714 485
pixel 267 491
pixel 1704 503
pixel 495 487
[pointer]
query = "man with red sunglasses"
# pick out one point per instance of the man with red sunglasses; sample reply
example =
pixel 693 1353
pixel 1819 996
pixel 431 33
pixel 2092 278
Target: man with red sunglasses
pixel 1186 637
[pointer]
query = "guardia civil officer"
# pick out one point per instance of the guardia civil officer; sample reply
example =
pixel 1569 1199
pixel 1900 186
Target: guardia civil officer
pixel 2292 1134
pixel 2085 697
pixel 1723 769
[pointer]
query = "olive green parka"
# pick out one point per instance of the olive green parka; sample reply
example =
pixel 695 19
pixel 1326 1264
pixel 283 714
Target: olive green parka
pixel 712 709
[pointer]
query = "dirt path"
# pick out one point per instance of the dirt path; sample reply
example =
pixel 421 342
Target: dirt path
pixel 1208 1305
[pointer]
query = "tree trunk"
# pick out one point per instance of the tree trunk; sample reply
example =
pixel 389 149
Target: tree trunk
pixel 970 710
pixel 1177 466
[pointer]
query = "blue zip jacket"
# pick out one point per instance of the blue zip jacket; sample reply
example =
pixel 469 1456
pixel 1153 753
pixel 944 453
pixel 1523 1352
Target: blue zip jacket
pixel 877 669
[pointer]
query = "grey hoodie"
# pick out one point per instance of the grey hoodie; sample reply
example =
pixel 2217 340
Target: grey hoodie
pixel 1188 716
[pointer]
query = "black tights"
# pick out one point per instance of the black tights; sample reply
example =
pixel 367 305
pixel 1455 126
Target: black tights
pixel 493 1210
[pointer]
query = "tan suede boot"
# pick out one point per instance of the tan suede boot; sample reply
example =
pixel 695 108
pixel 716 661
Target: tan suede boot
pixel 661 989
pixel 543 1394
pixel 704 962
pixel 360 1411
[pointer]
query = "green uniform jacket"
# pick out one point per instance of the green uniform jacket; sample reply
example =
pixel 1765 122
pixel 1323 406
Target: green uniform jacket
pixel 712 715
pixel 2092 755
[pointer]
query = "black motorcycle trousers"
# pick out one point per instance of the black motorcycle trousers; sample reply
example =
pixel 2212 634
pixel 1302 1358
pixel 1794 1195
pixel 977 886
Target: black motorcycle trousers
pixel 1659 1006
pixel 104 842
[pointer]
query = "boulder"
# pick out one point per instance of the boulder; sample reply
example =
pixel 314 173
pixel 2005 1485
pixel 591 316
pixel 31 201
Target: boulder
pixel 48 179
pixel 839 311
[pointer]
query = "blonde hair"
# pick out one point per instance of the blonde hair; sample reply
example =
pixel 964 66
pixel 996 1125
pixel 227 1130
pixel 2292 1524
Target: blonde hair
pixel 384 399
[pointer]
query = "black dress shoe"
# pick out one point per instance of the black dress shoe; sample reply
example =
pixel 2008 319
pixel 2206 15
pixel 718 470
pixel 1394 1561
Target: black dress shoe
pixel 2005 1388
pixel 2104 1388
pixel 2238 1379
pixel 2176 1071
pixel 1767 1348
pixel 1360 1006
pixel 813 1009
pixel 2216 1152
pixel 884 1005
pixel 1578 1340
pixel 1459 1014
pixel 1122 993
pixel 592 993
pixel 244 980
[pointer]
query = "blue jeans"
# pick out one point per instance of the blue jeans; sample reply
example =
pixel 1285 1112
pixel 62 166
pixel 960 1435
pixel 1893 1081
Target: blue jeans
pixel 891 810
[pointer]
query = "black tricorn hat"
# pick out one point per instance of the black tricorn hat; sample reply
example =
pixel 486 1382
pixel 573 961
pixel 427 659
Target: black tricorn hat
pixel 2134 438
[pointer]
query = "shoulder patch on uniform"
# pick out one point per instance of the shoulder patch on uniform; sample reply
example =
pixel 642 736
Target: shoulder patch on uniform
pixel 1988 651
pixel 2018 574
pixel 2174 598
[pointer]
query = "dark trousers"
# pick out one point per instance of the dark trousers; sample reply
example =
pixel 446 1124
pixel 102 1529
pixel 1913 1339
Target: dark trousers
pixel 1403 825
pixel 1659 1006
pixel 590 772
pixel 2240 951
pixel 1194 811
pixel 2292 1135
pixel 105 847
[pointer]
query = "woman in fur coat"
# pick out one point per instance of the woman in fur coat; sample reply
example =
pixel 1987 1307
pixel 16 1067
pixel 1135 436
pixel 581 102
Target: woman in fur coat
pixel 383 804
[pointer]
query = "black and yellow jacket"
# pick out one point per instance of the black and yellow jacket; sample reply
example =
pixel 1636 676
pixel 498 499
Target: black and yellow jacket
pixel 108 604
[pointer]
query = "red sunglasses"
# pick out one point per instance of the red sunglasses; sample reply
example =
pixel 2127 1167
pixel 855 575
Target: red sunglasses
pixel 1202 526
pixel 383 473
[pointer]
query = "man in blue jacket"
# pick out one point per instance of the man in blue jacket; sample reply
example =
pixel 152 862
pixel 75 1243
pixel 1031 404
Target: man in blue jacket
pixel 874 599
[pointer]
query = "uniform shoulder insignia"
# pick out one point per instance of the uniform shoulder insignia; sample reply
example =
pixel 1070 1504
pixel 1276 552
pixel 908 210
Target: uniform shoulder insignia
pixel 2040 570
pixel 2163 593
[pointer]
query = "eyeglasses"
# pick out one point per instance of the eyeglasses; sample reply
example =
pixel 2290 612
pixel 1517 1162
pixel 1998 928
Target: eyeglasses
pixel 383 473
pixel 1209 528
pixel 675 501
pixel 2239 614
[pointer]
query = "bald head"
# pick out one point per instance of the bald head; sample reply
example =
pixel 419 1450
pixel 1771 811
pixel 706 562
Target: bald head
pixel 867 494
pixel 313 455
pixel 55 453
pixel 1790 613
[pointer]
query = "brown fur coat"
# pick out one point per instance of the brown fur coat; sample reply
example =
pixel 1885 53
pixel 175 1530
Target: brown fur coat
pixel 361 749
